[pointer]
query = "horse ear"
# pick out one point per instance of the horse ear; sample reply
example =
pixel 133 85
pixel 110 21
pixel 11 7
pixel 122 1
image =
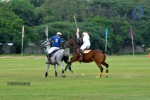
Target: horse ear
pixel 70 37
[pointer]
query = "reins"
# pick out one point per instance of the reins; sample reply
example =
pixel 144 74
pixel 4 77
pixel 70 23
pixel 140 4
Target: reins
pixel 75 46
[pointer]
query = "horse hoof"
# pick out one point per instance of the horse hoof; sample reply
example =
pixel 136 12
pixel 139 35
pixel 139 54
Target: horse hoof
pixel 55 74
pixel 46 74
pixel 106 75
pixel 63 76
pixel 97 76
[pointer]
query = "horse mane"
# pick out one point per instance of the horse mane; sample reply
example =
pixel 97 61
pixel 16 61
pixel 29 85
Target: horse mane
pixel 77 42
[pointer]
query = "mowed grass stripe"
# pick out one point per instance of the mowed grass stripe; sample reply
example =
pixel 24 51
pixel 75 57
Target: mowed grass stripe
pixel 128 80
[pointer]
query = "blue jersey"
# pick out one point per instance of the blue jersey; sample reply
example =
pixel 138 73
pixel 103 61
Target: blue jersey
pixel 56 41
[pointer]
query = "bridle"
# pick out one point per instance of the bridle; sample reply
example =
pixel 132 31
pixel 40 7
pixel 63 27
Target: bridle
pixel 67 43
pixel 75 46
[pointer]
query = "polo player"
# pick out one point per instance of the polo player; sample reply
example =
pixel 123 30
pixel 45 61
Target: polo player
pixel 86 42
pixel 56 42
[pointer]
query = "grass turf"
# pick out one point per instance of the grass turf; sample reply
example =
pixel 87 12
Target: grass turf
pixel 128 79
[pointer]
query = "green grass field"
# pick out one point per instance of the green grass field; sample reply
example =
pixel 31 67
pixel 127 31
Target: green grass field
pixel 129 79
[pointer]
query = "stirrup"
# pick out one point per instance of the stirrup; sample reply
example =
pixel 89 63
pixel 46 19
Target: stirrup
pixel 48 62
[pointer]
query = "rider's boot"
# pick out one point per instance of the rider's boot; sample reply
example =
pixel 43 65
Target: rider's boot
pixel 49 60
pixel 81 55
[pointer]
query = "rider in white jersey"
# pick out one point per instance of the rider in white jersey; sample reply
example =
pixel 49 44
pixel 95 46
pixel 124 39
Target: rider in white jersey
pixel 86 42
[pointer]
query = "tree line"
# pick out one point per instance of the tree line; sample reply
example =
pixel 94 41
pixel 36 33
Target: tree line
pixel 93 16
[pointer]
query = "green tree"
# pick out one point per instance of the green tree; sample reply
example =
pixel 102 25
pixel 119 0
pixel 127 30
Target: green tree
pixel 37 3
pixel 91 15
pixel 10 28
pixel 24 10
pixel 64 10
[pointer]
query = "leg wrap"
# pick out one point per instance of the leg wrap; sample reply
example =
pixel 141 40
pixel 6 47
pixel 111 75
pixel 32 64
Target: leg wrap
pixel 106 70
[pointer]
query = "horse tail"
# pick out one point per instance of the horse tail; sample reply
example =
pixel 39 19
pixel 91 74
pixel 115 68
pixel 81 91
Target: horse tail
pixel 104 52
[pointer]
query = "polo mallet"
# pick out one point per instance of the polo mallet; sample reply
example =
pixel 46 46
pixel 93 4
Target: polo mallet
pixel 75 21
pixel 77 34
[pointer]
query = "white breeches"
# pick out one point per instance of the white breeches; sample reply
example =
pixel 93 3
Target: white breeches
pixel 52 49
pixel 86 45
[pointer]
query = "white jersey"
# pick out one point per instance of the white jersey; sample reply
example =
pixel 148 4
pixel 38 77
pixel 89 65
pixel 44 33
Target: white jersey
pixel 86 41
pixel 86 37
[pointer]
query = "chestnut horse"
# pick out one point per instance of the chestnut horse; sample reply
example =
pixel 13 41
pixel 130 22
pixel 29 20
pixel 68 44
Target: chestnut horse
pixel 94 55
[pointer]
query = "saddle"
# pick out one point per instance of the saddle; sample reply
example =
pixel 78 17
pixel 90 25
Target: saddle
pixel 52 54
pixel 86 51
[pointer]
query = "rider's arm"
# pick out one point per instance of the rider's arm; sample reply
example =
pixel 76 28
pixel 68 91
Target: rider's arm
pixel 61 44
pixel 51 40
pixel 82 36
pixel 77 33
pixel 80 41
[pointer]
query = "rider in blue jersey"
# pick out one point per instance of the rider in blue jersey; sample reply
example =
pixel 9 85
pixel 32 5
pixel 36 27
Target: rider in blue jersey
pixel 56 43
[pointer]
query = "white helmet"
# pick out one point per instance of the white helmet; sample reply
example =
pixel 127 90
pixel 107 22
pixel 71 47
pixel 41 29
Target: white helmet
pixel 58 33
pixel 84 33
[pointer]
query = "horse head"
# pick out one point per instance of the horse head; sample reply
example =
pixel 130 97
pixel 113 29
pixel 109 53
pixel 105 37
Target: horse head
pixel 76 47
pixel 46 45
pixel 71 42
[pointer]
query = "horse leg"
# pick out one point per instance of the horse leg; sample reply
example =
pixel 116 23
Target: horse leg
pixel 62 67
pixel 100 67
pixel 106 65
pixel 68 66
pixel 63 73
pixel 55 70
pixel 47 67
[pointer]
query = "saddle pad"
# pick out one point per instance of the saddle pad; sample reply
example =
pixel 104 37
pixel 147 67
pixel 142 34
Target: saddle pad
pixel 86 51
pixel 52 54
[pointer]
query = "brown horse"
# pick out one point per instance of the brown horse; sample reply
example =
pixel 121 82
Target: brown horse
pixel 94 55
